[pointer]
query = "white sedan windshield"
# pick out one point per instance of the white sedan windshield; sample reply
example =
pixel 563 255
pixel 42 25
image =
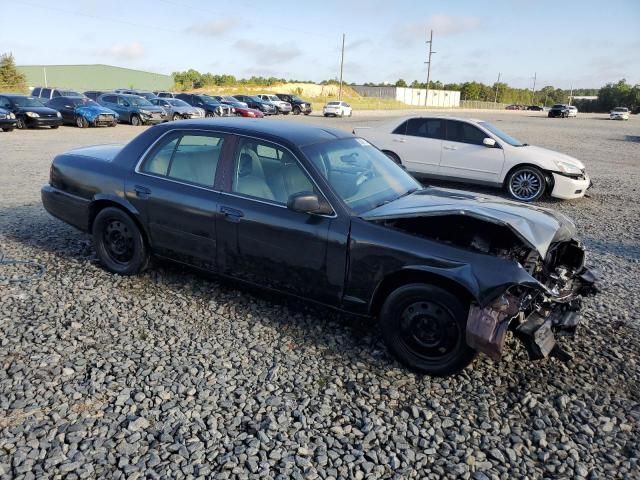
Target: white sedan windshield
pixel 360 174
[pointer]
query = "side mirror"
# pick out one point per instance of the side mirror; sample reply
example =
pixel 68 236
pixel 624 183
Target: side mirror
pixel 489 142
pixel 307 202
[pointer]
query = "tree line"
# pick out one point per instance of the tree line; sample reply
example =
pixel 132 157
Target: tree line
pixel 618 94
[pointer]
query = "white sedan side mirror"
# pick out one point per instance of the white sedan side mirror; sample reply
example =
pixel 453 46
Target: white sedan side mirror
pixel 489 142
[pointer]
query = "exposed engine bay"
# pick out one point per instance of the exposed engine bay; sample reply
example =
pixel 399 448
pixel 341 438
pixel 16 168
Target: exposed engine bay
pixel 535 315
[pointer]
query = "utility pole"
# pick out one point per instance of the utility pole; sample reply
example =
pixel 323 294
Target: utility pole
pixel 428 62
pixel 341 67
pixel 533 92
pixel 495 100
pixel 44 70
pixel 570 94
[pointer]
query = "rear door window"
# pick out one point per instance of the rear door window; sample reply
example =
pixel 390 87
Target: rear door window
pixel 189 157
pixel 426 128
pixel 46 93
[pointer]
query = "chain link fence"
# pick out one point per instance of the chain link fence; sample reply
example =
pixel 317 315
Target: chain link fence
pixel 477 104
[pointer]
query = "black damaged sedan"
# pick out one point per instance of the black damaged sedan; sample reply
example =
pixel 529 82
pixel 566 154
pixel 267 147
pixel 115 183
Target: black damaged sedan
pixel 325 216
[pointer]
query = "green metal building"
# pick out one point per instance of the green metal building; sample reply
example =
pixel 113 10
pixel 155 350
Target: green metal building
pixel 94 77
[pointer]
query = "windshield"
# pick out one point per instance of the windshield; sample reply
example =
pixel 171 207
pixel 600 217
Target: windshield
pixel 69 93
pixel 176 102
pixel 360 174
pixel 138 101
pixel 26 102
pixel 84 102
pixel 500 134
pixel 273 98
pixel 620 109
pixel 296 98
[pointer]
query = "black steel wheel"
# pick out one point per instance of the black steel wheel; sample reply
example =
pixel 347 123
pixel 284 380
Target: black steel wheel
pixel 425 327
pixel 119 242
pixel 526 183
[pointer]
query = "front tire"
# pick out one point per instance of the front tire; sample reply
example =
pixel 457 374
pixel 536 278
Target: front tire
pixel 7 129
pixel 136 121
pixel 176 117
pixel 119 243
pixel 21 124
pixel 81 122
pixel 296 110
pixel 424 326
pixel 526 183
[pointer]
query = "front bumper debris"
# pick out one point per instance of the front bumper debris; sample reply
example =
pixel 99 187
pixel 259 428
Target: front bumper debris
pixel 535 320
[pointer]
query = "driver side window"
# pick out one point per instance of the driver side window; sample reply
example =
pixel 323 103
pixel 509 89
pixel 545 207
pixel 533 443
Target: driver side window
pixel 266 171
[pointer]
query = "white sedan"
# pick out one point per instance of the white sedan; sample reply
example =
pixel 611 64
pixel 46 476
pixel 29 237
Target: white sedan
pixel 476 151
pixel 619 113
pixel 337 109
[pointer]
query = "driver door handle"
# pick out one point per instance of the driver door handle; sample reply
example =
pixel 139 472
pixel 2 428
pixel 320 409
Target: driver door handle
pixel 399 140
pixel 450 147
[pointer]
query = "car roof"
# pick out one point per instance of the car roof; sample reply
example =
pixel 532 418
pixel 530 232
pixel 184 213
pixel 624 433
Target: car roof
pixel 16 95
pixel 296 133
pixel 441 117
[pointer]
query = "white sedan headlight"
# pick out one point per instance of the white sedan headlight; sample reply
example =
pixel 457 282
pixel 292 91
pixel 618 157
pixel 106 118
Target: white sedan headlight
pixel 34 114
pixel 12 115
pixel 59 114
pixel 566 167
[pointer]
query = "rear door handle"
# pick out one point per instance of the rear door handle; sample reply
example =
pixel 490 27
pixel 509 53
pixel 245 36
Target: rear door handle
pixel 231 214
pixel 449 147
pixel 142 192
pixel 400 140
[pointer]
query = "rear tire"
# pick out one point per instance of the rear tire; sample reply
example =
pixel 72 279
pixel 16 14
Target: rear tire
pixel 424 326
pixel 392 156
pixel 119 243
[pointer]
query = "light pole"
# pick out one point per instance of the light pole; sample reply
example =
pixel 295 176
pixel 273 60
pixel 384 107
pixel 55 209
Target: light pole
pixel 341 67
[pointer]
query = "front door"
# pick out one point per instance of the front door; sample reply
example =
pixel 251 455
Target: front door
pixel 173 189
pixel 260 240
pixel 464 155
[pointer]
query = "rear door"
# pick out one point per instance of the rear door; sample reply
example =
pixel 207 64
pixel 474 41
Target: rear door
pixel 173 189
pixel 465 156
pixel 418 143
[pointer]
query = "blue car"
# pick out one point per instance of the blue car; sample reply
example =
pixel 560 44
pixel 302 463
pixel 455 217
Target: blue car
pixel 133 109
pixel 83 112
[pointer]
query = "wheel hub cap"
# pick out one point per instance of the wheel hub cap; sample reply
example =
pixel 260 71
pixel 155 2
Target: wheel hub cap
pixel 525 185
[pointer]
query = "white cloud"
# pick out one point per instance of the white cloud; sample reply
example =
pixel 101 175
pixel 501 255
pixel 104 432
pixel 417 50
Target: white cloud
pixel 442 25
pixel 268 54
pixel 213 28
pixel 124 51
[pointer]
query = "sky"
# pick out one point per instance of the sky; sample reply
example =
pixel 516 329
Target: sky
pixel 577 43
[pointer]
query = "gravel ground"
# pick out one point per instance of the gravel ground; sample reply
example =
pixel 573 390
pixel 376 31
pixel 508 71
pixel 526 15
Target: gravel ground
pixel 174 375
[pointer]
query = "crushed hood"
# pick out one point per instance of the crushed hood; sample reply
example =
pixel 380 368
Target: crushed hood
pixel 537 227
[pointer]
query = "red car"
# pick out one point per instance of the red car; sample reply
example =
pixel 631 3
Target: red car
pixel 249 112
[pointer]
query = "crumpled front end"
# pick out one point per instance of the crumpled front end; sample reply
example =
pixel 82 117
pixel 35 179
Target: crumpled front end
pixel 536 315
pixel 97 117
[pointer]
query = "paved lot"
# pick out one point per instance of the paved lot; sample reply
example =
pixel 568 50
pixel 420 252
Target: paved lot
pixel 172 374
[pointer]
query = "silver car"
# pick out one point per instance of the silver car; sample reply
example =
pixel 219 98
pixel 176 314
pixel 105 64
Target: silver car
pixel 178 109
pixel 281 106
